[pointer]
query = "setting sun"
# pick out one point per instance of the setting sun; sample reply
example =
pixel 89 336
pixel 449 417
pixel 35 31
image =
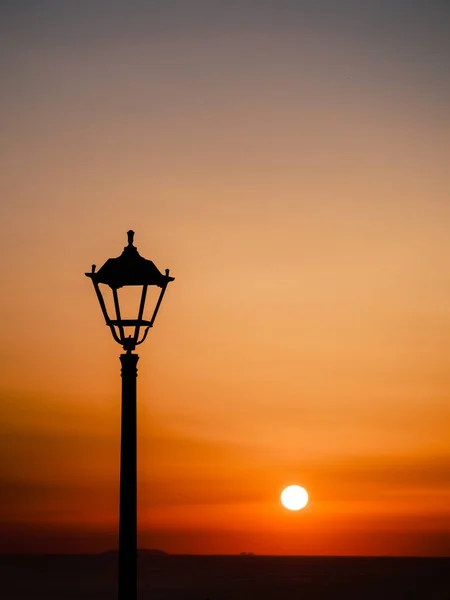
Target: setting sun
pixel 294 497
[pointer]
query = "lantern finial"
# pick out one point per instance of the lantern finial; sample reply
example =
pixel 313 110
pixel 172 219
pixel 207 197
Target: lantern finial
pixel 130 235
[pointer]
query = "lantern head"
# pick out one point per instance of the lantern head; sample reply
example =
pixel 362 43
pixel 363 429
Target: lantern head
pixel 129 325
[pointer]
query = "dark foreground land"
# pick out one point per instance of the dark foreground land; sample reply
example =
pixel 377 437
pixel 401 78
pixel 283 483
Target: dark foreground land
pixel 89 577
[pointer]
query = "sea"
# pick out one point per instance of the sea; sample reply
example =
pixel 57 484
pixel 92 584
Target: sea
pixel 249 577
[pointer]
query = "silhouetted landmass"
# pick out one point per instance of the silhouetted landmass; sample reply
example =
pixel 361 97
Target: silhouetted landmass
pixel 142 553
pixel 94 577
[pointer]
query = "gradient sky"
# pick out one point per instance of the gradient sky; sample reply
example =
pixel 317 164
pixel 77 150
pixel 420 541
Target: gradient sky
pixel 288 161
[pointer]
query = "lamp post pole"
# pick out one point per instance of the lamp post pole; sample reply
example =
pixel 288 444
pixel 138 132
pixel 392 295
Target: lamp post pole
pixel 128 481
pixel 129 269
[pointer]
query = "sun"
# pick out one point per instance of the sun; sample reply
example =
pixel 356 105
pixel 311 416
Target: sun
pixel 294 497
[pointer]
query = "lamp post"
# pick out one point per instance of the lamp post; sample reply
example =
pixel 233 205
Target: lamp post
pixel 129 269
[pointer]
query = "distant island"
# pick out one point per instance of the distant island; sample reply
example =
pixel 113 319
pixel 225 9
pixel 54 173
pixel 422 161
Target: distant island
pixel 247 554
pixel 141 552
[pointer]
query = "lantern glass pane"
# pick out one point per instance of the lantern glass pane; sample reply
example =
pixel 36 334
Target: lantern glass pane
pixel 129 298
pixel 129 301
pixel 108 299
pixel 151 300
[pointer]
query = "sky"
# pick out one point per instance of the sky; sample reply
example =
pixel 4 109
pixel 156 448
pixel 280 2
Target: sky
pixel 288 161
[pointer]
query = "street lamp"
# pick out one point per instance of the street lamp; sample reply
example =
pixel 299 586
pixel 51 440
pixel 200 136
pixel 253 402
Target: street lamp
pixel 129 269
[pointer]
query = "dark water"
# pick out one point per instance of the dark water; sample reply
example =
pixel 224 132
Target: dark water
pixel 83 577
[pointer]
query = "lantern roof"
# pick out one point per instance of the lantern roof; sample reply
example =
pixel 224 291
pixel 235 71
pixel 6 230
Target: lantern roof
pixel 130 268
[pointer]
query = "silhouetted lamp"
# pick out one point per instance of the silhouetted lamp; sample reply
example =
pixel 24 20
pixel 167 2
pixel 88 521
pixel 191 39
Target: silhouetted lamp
pixel 129 270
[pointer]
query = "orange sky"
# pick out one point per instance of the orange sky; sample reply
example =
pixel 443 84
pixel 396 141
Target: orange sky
pixel 290 168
